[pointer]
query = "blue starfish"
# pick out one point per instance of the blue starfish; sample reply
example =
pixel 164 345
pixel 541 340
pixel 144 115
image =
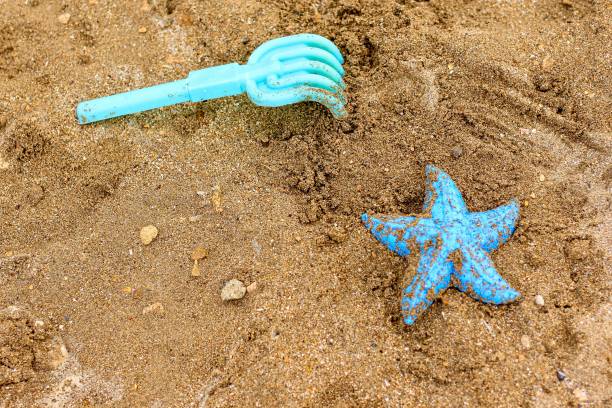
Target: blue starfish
pixel 453 244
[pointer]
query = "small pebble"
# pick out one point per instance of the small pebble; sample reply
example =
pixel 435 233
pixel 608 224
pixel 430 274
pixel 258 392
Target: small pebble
pixel 525 341
pixel 233 290
pixel 580 395
pixel 154 308
pixel 542 178
pixel 195 218
pixel 199 253
pixel 539 300
pixel 337 234
pixel 252 287
pixel 547 63
pixel 216 199
pixel 64 18
pixel 142 30
pixel 148 234
pixel 195 271
pixel 457 152
pixel 561 375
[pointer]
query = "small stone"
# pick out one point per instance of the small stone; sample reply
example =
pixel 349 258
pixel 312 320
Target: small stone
pixel 580 395
pixel 525 341
pixel 195 271
pixel 199 253
pixel 39 323
pixel 252 287
pixel 4 164
pixel 154 308
pixel 52 356
pixel 195 218
pixel 578 249
pixel 539 300
pixel 547 63
pixel 175 59
pixel 216 199
pixel 148 234
pixel 457 152
pixel 544 85
pixel 233 290
pixel 542 178
pixel 337 234
pixel 64 18
pixel 561 375
pixel 142 30
pixel 58 354
pixel 127 290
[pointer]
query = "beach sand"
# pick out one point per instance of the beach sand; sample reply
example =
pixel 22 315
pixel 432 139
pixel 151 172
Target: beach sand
pixel 511 98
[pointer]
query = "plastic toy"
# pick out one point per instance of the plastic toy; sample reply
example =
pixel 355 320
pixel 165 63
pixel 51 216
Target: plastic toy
pixel 453 244
pixel 303 67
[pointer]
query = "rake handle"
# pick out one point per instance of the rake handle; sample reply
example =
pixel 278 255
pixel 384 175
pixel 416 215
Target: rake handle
pixel 200 85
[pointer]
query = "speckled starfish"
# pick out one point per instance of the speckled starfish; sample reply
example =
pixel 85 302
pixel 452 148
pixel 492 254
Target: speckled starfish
pixel 453 244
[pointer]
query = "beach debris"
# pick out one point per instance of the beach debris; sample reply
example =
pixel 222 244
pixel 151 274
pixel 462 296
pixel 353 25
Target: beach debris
pixel 282 71
pixel 142 30
pixel 539 300
pixel 452 243
pixel 233 290
pixel 148 234
pixel 561 375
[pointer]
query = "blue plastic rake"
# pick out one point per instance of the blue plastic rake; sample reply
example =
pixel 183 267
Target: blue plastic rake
pixel 283 71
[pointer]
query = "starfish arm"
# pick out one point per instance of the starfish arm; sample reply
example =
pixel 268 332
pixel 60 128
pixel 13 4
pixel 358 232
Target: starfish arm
pixel 442 197
pixel 399 233
pixel 477 277
pixel 432 277
pixel 494 227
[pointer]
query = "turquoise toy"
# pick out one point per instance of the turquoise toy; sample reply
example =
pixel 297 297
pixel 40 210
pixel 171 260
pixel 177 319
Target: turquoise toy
pixel 298 68
pixel 453 245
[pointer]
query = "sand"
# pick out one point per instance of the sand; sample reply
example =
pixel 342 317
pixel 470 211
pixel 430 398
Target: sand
pixel 511 98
